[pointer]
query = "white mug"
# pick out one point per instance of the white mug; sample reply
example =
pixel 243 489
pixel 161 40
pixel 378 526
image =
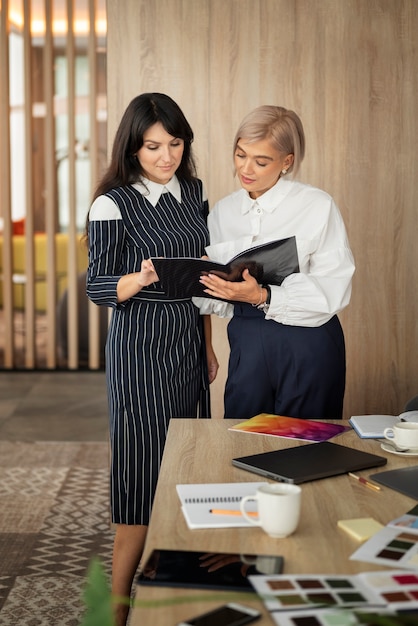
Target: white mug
pixel 278 508
pixel 404 435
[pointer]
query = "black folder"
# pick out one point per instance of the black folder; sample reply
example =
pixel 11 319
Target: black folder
pixel 308 462
pixel 269 263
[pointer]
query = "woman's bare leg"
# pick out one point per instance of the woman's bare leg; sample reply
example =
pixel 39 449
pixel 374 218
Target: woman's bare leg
pixel 127 551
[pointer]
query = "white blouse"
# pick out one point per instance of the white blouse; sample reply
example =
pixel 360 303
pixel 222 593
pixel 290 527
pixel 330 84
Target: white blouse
pixel 322 288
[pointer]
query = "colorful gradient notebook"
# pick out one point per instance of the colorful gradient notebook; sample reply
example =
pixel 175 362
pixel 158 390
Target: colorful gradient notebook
pixel 290 427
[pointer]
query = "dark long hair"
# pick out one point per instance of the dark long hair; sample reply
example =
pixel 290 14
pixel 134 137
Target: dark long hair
pixel 143 112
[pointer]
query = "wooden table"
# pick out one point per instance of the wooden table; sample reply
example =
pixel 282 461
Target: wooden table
pixel 200 451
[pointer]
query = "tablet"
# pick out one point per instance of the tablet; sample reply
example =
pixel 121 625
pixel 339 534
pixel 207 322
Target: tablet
pixel 187 568
pixel 308 462
pixel 403 479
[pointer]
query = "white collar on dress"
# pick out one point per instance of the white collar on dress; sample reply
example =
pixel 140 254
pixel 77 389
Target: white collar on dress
pixel 152 191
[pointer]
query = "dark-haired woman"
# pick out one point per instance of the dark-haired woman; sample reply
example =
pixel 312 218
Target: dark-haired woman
pixel 159 359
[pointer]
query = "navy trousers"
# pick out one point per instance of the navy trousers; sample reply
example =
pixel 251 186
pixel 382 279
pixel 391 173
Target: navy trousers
pixel 285 370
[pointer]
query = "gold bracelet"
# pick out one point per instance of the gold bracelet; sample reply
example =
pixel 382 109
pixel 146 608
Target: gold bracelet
pixel 261 298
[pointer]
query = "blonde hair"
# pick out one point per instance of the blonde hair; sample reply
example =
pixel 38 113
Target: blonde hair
pixel 281 126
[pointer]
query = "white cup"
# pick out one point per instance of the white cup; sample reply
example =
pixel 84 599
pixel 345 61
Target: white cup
pixel 404 435
pixel 278 508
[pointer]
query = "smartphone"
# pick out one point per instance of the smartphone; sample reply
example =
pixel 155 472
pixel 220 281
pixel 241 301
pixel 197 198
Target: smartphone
pixel 231 614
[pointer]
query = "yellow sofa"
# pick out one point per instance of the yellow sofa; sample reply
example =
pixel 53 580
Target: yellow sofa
pixel 61 248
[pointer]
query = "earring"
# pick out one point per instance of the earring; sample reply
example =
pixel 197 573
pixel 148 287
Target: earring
pixel 284 172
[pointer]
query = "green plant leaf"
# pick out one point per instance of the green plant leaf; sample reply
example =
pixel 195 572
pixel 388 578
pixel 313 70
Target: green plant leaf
pixel 97 597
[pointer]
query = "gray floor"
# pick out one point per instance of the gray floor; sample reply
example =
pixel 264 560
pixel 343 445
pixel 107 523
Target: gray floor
pixel 53 406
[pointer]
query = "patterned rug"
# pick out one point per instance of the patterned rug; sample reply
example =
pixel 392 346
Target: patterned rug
pixel 54 517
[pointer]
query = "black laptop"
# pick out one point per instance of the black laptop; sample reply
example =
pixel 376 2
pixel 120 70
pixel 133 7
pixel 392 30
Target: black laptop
pixel 308 462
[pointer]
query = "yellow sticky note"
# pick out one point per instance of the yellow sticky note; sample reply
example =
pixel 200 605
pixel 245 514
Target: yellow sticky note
pixel 361 528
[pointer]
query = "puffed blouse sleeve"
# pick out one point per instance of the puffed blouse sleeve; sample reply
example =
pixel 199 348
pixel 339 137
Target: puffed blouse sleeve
pixel 106 236
pixel 323 286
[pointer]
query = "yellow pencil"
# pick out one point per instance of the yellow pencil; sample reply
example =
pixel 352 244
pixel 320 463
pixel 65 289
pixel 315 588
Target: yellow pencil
pixel 227 512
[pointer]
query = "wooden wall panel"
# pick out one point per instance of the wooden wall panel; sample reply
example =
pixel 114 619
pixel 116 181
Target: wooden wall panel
pixel 161 46
pixel 350 69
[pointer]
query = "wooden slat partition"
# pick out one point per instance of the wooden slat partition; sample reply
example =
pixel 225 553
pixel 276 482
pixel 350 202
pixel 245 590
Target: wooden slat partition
pixel 51 188
pixel 72 228
pixel 40 110
pixel 5 187
pixel 30 278
pixel 93 310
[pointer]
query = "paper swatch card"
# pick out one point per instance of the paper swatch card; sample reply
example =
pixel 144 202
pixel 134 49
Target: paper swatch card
pixel 326 617
pixel 390 547
pixel 408 521
pixel 316 595
pixel 290 427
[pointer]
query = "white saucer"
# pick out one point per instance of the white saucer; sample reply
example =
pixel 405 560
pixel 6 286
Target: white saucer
pixel 388 448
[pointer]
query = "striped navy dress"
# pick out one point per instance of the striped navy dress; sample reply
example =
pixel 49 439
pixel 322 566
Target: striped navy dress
pixel 155 356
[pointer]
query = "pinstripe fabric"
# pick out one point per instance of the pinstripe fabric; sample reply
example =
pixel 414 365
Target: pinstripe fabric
pixel 155 361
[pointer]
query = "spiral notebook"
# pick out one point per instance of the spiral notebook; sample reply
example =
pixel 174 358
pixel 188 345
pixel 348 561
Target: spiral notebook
pixel 216 505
